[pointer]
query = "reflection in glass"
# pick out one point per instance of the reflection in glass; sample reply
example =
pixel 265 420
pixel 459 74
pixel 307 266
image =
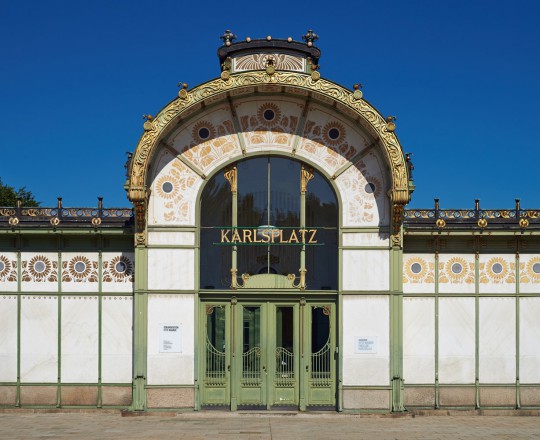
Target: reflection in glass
pixel 284 346
pixel 320 346
pixel 251 346
pixel 215 344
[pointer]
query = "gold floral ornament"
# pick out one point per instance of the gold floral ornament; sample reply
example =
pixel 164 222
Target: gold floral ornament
pixel 203 131
pixel 269 114
pixel 334 133
pixel 440 223
pixel 457 270
pixel 418 270
pixel 532 270
pixel 5 266
pixel 79 267
pixel 482 223
pixel 167 187
pixel 39 267
pixel 496 270
pixel 121 268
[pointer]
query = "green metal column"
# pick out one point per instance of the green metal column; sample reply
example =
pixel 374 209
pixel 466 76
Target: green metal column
pixel 140 328
pixel 396 326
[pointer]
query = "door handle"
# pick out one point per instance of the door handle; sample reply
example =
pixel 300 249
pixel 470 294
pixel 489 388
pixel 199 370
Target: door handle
pixel 264 368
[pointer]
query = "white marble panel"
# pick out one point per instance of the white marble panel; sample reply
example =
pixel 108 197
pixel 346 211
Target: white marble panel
pixel 171 238
pixel 171 368
pixel 497 340
pixel 79 339
pixel 419 273
pixel 497 273
pixel 366 239
pixel 118 273
pixel 8 338
pixel 456 340
pixel 8 272
pixel 366 269
pixel 529 340
pixel 171 269
pixel 39 339
pixel 39 272
pixel 419 340
pixel 116 339
pixel 456 273
pixel 366 316
pixel 529 273
pixel 80 272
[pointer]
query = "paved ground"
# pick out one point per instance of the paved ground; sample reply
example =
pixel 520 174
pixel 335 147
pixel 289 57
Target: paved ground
pixel 210 425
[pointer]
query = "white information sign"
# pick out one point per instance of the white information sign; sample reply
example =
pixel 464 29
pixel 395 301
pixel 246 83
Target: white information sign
pixel 366 344
pixel 170 338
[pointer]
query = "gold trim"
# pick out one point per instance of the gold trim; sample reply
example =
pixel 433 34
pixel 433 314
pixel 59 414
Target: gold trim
pixel 231 175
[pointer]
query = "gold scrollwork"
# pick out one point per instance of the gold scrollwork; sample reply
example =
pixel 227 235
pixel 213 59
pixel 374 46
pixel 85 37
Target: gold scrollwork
pixel 231 174
pixel 13 221
pixel 482 223
pixel 306 175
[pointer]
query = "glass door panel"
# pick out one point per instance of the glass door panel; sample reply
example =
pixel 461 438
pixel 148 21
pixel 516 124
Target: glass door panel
pixel 285 384
pixel 252 364
pixel 216 390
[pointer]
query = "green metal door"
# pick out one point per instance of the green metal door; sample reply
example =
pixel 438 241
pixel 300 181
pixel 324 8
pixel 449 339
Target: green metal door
pixel 318 386
pixel 215 355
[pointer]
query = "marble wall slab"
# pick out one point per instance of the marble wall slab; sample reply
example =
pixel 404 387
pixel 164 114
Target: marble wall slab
pixel 8 338
pixel 366 270
pixel 366 317
pixel 171 269
pixel 529 340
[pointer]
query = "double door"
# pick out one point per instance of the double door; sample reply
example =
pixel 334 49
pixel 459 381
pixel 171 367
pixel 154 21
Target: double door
pixel 268 354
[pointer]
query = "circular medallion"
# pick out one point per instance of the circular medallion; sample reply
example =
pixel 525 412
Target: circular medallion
pixel 120 267
pixel 40 267
pixel 370 187
pixel 204 133
pixel 416 268
pixel 269 114
pixel 497 268
pixel 334 133
pixel 457 268
pixel 536 268
pixel 167 187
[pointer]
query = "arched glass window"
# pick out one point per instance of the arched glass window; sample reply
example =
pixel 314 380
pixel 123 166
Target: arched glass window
pixel 268 215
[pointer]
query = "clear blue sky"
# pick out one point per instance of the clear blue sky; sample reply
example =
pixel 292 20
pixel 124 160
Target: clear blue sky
pixel 462 77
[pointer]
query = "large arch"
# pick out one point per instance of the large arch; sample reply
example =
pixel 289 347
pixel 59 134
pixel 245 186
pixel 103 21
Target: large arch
pixel 310 90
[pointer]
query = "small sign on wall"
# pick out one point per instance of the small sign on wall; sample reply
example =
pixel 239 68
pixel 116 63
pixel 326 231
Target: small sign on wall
pixel 170 338
pixel 366 344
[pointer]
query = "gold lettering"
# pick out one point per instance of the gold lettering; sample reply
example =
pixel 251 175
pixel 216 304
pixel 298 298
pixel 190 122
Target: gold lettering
pixel 236 237
pixel 312 236
pixel 224 235
pixel 255 233
pixel 281 237
pixel 247 235
pixel 293 234
pixel 265 233
pixel 303 233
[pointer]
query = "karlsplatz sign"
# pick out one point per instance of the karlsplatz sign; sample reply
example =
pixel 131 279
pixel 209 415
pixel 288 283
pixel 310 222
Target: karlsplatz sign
pixel 268 236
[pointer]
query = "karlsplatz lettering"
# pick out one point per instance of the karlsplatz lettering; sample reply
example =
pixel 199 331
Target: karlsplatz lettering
pixel 269 236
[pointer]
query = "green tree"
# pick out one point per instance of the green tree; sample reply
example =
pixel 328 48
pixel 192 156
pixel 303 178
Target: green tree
pixel 9 196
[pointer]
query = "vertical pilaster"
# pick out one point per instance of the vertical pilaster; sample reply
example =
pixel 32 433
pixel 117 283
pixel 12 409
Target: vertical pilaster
pixel 396 324
pixel 140 328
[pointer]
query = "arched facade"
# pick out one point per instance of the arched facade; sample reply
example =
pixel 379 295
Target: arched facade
pixel 327 130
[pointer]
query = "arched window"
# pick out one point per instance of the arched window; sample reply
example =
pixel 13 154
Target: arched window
pixel 268 215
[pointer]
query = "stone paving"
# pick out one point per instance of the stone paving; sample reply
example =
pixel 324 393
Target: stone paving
pixel 212 425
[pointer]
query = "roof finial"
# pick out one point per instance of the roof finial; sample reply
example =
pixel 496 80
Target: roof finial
pixel 228 37
pixel 310 37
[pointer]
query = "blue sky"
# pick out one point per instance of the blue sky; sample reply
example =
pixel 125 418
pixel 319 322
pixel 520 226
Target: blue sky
pixel 462 77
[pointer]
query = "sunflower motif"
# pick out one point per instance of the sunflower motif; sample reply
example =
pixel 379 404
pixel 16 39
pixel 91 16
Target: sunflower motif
pixel 496 268
pixel 40 267
pixel 269 114
pixel 203 131
pixel 5 266
pixel 373 186
pixel 416 269
pixel 79 267
pixel 533 269
pixel 334 133
pixel 167 187
pixel 121 267
pixel 457 269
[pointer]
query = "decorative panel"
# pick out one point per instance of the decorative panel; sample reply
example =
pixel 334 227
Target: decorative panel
pixel 497 273
pixel 456 273
pixel 79 339
pixel 419 273
pixel 39 272
pixel 8 272
pixel 529 273
pixel 118 271
pixel 80 272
